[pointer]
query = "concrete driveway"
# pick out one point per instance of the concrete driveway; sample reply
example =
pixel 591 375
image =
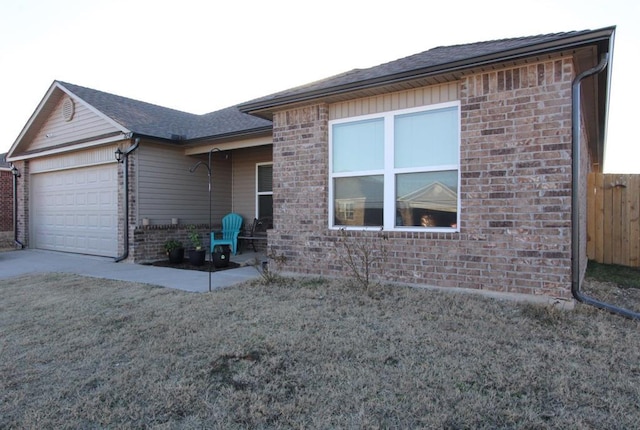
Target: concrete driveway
pixel 29 261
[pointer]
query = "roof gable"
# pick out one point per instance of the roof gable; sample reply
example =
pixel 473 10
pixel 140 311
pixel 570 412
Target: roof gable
pixel 82 124
pixel 125 115
pixel 48 130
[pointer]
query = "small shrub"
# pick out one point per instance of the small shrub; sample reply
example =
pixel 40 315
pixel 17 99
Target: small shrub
pixel 172 244
pixel 194 237
pixel 271 275
pixel 363 254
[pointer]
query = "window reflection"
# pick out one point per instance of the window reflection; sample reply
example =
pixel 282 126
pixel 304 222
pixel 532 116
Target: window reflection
pixel 427 199
pixel 358 201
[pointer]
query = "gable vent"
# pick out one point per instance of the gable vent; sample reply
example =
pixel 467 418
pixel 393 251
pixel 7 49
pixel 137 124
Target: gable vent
pixel 68 109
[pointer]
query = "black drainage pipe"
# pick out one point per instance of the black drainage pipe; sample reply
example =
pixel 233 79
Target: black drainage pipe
pixel 125 161
pixel 575 198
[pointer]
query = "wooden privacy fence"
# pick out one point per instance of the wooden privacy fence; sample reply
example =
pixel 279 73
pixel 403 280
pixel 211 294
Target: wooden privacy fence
pixel 613 219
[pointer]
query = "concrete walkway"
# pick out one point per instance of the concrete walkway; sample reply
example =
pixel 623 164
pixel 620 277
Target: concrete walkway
pixel 29 261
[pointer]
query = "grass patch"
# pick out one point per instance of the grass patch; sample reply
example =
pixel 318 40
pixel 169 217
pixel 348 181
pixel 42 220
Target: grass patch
pixel 613 284
pixel 92 353
pixel 622 276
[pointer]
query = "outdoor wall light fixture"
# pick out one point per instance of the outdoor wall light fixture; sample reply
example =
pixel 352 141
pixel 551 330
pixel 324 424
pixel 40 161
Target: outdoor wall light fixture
pixel 119 154
pixel 15 171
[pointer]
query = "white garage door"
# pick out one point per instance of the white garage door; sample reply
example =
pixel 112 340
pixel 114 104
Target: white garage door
pixel 76 210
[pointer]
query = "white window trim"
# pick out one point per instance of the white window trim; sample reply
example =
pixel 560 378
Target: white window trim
pixel 261 193
pixel 389 172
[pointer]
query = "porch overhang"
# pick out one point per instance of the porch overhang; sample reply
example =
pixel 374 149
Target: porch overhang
pixel 227 143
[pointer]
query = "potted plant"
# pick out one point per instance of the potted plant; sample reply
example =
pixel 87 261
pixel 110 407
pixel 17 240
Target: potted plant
pixel 196 255
pixel 220 256
pixel 175 250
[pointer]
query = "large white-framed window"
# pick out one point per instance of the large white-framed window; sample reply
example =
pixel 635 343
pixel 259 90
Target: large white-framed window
pixel 399 170
pixel 264 190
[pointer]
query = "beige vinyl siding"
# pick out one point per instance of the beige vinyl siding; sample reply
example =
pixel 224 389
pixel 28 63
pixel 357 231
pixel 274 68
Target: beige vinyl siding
pixel 89 157
pixel 85 124
pixel 399 100
pixel 244 178
pixel 166 188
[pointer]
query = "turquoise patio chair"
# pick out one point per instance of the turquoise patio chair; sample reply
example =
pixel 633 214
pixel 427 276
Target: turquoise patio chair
pixel 231 224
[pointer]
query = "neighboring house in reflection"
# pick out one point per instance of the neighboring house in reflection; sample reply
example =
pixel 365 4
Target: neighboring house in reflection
pixel 434 205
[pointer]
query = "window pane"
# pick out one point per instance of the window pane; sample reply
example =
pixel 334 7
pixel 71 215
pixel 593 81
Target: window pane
pixel 426 138
pixel 427 199
pixel 358 146
pixel 265 178
pixel 358 201
pixel 265 206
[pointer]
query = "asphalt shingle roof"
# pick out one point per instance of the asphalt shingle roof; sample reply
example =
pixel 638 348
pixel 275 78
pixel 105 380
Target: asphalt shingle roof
pixel 437 58
pixel 157 121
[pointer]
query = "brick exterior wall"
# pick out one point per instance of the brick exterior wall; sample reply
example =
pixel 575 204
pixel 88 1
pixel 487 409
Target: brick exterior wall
pixel 515 190
pixel 23 202
pixel 6 201
pixel 148 241
pixel 131 195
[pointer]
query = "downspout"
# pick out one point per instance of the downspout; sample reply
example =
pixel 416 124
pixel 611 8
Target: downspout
pixel 16 174
pixel 125 161
pixel 575 197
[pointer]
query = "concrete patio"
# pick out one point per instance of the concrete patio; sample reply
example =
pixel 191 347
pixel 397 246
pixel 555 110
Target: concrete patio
pixel 29 261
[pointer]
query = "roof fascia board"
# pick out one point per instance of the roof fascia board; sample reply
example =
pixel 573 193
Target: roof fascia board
pixel 199 140
pixel 157 139
pixel 66 148
pixel 499 57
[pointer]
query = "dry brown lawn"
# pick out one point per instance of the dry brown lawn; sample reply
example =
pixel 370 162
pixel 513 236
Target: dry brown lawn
pixel 80 352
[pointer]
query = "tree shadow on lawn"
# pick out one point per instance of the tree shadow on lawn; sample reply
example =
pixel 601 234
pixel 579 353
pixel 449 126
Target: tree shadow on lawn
pixel 613 284
pixel 186 265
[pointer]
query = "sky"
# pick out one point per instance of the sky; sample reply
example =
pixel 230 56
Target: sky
pixel 199 56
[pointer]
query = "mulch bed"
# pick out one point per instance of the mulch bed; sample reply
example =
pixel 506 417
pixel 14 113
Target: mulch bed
pixel 187 266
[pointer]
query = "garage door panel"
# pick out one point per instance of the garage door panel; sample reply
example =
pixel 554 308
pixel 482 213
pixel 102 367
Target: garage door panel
pixel 106 198
pixel 105 221
pixel 76 210
pixel 70 221
pixel 93 221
